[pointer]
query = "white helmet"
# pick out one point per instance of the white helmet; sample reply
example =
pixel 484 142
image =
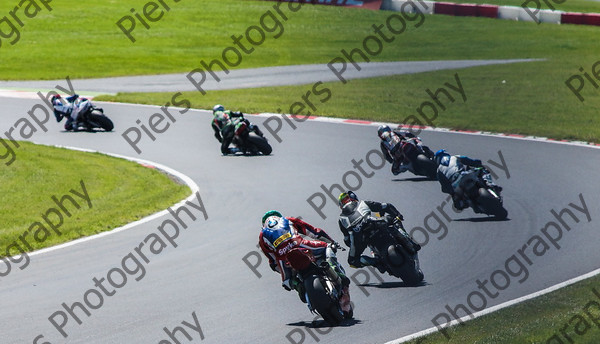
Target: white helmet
pixel 218 107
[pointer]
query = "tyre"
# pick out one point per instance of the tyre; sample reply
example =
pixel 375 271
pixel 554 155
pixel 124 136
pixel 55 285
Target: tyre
pixel 321 302
pixel 260 143
pixel 426 167
pixel 491 205
pixel 101 119
pixel 404 266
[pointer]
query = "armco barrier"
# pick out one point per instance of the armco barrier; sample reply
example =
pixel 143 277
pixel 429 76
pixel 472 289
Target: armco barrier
pixel 425 7
pixel 549 16
pixel 490 11
pixel 509 12
pixel 592 19
pixel 493 11
pixel 468 10
pixel 525 15
pixel 448 8
pixel 572 18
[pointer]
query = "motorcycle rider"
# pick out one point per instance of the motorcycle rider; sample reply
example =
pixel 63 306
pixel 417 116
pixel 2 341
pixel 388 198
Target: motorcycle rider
pixel 225 123
pixel 451 174
pixel 356 214
pixel 400 148
pixel 281 234
pixel 72 110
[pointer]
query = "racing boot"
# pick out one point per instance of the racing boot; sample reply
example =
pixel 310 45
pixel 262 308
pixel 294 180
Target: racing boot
pixel 458 202
pixel 373 261
pixel 345 303
pixel 299 287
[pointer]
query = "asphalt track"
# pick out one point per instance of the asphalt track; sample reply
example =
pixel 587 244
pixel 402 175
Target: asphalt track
pixel 205 273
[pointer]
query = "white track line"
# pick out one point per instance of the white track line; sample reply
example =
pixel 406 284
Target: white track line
pixel 497 307
pixel 187 180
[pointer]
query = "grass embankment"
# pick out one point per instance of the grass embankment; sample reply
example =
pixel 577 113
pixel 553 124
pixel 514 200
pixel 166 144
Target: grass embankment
pixel 120 192
pixel 567 313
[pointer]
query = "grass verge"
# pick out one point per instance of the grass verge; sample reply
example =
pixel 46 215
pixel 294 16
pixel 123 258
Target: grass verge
pixel 572 314
pixel 119 191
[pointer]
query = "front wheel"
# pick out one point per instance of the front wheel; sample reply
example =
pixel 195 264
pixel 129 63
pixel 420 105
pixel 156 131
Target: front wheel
pixel 491 204
pixel 321 301
pixel 404 266
pixel 101 119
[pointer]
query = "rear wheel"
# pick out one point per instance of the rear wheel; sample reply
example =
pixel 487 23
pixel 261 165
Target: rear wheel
pixel 321 302
pixel 491 205
pixel 101 119
pixel 260 143
pixel 426 166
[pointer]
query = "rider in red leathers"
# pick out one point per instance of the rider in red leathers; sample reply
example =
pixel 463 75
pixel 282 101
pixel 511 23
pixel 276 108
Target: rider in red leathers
pixel 280 235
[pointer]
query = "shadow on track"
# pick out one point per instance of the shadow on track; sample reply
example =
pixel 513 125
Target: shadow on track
pixel 414 179
pixel 482 219
pixel 87 131
pixel 323 324
pixel 390 285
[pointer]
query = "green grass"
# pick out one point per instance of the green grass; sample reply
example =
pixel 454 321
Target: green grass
pixel 85 42
pixel 120 192
pixel 588 6
pixel 534 99
pixel 533 321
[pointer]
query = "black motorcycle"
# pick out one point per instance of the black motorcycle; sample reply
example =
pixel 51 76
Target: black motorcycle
pixel 323 289
pixel 90 118
pixel 397 260
pixel 249 140
pixel 481 197
pixel 421 157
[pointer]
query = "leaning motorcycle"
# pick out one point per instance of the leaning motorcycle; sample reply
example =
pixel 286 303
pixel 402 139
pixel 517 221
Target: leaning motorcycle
pixel 480 197
pixel 422 163
pixel 397 260
pixel 90 118
pixel 247 140
pixel 323 289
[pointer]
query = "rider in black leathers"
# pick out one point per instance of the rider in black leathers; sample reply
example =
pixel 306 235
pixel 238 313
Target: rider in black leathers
pixel 356 214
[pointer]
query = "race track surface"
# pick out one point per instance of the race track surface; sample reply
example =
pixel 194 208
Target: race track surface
pixel 205 274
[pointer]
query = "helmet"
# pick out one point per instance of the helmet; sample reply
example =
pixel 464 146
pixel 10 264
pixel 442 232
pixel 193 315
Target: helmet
pixel 383 129
pixel 267 215
pixel 346 197
pixel 439 155
pixel 56 100
pixel 218 107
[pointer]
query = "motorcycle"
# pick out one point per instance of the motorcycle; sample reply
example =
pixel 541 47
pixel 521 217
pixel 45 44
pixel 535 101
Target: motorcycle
pixel 323 289
pixel 90 118
pixel 397 260
pixel 421 157
pixel 481 197
pixel 249 140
